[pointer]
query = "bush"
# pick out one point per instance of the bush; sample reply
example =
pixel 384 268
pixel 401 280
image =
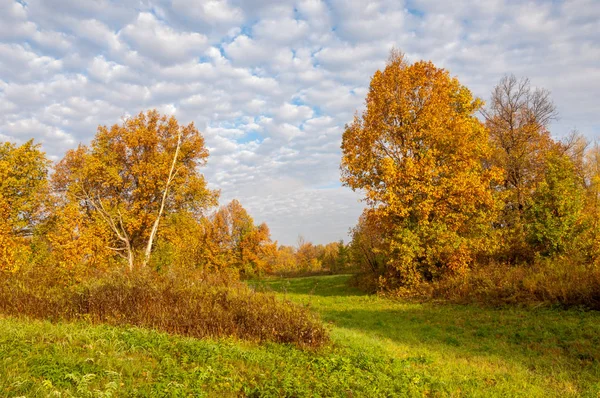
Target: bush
pixel 196 305
pixel 557 281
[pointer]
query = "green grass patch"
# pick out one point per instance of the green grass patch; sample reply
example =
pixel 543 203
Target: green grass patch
pixel 76 359
pixel 467 349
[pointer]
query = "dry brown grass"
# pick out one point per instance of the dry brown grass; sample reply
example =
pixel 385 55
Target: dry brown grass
pixel 180 303
pixel 554 282
pixel 558 281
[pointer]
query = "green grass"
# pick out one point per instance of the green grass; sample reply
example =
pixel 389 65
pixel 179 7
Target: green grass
pixel 380 348
pixel 464 350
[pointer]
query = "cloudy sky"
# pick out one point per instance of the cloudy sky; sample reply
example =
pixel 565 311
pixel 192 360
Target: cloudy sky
pixel 271 83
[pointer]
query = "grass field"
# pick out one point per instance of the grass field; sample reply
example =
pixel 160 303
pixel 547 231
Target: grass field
pixel 380 348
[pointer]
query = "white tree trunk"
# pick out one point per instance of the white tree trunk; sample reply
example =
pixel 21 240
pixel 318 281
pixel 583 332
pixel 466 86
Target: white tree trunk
pixel 172 173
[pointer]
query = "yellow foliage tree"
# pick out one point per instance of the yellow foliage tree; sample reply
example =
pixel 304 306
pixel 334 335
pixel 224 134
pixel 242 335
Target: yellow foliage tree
pixel 242 244
pixel 79 242
pixel 418 153
pixel 23 198
pixel 133 175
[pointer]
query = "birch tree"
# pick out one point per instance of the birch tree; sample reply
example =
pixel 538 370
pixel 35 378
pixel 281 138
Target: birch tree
pixel 135 173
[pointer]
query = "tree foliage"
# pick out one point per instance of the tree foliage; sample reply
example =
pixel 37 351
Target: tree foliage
pixel 418 153
pixel 133 172
pixel 368 246
pixel 555 209
pixel 445 191
pixel 23 199
pixel 517 120
pixel 239 242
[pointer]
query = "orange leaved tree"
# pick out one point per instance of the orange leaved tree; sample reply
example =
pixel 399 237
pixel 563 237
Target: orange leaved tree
pixel 240 242
pixel 132 175
pixel 23 193
pixel 418 153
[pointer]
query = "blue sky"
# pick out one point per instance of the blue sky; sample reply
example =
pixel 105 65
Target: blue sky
pixel 272 83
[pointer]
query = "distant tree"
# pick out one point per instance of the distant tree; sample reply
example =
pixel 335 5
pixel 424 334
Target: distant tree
pixel 284 259
pixel 329 256
pixel 342 260
pixel 242 244
pixel 307 256
pixel 134 174
pixel 418 153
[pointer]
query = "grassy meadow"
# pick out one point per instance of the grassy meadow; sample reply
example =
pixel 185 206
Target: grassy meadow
pixel 380 347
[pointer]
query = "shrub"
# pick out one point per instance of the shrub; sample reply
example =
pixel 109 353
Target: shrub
pixel 191 304
pixel 547 281
pixel 563 281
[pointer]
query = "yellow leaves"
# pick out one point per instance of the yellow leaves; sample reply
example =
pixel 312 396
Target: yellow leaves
pixel 23 195
pixel 23 184
pixel 417 152
pixel 120 179
pixel 79 243
pixel 10 245
pixel 231 239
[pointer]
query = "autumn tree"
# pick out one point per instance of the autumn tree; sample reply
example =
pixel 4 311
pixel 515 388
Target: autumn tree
pixel 333 256
pixel 23 196
pixel 554 212
pixel 242 244
pixel 284 259
pixel 418 153
pixel 78 243
pixel 517 119
pixel 368 246
pixel 307 256
pixel 132 175
pixel 590 239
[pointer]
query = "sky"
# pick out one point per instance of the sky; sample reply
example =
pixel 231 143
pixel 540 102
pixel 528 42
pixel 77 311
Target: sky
pixel 271 83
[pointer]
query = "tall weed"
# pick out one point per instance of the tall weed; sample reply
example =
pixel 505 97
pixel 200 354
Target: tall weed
pixel 180 302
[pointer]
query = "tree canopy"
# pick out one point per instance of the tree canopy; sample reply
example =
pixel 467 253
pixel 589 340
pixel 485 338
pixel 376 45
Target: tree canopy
pixel 132 173
pixel 417 152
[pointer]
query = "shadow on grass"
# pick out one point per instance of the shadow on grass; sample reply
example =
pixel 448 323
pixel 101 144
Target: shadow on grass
pixel 325 286
pixel 543 340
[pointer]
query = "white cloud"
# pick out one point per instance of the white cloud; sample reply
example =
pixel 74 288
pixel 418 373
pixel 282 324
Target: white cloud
pixel 285 30
pixel 13 21
pixel 271 83
pixel 160 42
pixel 245 51
pixel 291 113
pixel 212 12
pixel 21 64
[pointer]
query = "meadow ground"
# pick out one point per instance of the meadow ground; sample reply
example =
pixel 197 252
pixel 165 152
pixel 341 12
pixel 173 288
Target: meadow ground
pixel 380 347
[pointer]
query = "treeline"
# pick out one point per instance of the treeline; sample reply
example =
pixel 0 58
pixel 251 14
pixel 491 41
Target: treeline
pixel 308 258
pixel 467 200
